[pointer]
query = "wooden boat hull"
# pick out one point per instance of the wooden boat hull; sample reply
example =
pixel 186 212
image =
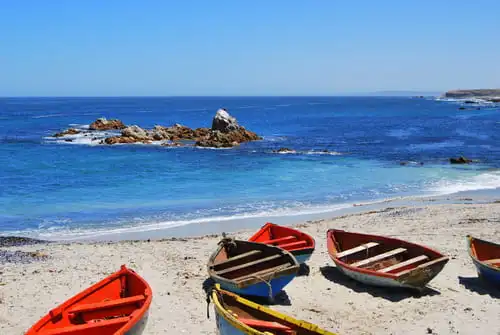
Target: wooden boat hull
pixel 382 261
pixel 230 322
pixel 252 269
pixel 259 289
pixel 480 251
pixel 303 258
pixel 117 305
pixel 300 244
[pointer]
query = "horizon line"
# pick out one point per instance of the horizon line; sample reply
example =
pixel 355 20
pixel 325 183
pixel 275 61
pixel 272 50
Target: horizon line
pixel 366 94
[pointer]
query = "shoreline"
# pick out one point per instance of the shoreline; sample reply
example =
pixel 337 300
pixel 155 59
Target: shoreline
pixel 456 301
pixel 211 226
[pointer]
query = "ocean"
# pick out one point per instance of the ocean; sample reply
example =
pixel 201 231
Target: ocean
pixel 53 189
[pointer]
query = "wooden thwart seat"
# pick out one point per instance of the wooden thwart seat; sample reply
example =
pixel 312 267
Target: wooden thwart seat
pixel 403 264
pixel 262 273
pixel 421 266
pixel 357 249
pixel 105 309
pixel 94 328
pixel 246 265
pixel 293 245
pixel 280 240
pixel 107 304
pixel 235 258
pixel 379 257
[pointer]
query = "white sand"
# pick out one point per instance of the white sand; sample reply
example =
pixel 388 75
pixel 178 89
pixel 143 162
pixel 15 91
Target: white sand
pixel 176 269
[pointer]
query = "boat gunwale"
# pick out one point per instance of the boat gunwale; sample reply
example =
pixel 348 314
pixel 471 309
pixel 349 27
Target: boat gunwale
pixel 268 225
pixel 473 254
pixel 333 250
pixel 252 331
pixel 134 317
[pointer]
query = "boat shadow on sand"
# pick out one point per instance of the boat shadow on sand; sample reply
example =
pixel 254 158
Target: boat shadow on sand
pixel 480 286
pixel 304 270
pixel 279 299
pixel 392 294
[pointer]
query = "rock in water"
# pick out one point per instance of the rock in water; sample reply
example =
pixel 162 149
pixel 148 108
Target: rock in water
pixel 103 124
pixel 159 133
pixel 460 160
pixel 70 131
pixel 224 122
pixel 135 132
pixel 284 151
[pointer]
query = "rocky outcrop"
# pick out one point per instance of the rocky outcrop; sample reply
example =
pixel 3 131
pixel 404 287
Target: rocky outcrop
pixel 136 132
pixel 225 133
pixel 224 122
pixel 103 124
pixel 460 160
pixel 218 139
pixel 70 131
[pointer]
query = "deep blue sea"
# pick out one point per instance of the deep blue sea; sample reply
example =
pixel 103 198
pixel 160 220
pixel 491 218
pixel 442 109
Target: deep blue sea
pixel 56 189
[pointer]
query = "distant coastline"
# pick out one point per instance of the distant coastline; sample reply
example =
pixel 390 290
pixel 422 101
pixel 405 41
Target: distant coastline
pixel 492 95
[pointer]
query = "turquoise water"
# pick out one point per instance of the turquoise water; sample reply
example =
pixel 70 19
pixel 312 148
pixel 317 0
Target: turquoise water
pixel 55 189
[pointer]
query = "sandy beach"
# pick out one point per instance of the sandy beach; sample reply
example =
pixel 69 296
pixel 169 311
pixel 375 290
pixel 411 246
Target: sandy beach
pixel 456 302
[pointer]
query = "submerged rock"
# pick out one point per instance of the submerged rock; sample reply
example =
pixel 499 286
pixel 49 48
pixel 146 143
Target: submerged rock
pixel 460 160
pixel 70 131
pixel 103 124
pixel 284 151
pixel 123 140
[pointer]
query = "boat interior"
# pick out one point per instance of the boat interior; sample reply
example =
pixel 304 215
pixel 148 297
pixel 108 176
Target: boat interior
pixel 100 310
pixel 382 255
pixel 284 238
pixel 241 260
pixel 486 252
pixel 259 320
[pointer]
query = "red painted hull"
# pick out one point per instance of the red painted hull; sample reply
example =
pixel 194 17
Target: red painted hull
pixel 298 243
pixel 383 261
pixel 117 305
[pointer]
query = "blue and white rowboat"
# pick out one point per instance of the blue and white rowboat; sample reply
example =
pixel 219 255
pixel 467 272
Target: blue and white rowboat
pixel 252 269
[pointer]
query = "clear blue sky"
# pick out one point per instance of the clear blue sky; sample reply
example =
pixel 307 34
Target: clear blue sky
pixel 272 47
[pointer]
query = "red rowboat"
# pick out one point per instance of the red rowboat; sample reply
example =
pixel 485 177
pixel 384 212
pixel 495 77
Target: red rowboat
pixel 301 245
pixel 383 261
pixel 117 305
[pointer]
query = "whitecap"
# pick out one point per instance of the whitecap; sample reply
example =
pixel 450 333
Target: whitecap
pixel 402 133
pixel 436 145
pixel 46 116
pixel 483 181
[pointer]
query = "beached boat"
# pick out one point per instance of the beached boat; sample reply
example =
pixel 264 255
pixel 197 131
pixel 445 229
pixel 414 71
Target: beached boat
pixel 117 305
pixel 249 268
pixel 383 261
pixel 301 245
pixel 486 257
pixel 236 315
